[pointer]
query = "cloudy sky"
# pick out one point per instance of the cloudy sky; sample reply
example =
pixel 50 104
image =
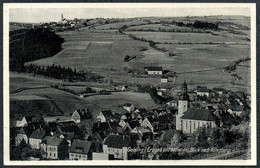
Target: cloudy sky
pixel 36 14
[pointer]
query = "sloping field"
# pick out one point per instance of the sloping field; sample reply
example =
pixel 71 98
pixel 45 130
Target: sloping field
pixel 116 100
pixel 20 82
pixel 97 52
pixel 199 57
pixel 172 37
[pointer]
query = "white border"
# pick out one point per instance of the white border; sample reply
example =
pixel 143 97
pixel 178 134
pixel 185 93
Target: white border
pixel 8 6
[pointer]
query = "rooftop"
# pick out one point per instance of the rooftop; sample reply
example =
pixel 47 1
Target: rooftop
pixel 80 146
pixel 199 114
pixel 117 141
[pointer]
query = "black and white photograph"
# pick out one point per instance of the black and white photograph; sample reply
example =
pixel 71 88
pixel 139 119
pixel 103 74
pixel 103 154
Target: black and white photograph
pixel 129 83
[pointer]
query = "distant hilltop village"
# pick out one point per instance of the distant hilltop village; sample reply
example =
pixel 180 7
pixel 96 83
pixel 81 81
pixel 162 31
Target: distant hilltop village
pixel 114 136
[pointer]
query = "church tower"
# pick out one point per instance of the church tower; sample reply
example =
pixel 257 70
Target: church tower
pixel 183 105
pixel 62 17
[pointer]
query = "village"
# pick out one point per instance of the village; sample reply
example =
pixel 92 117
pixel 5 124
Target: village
pixel 136 133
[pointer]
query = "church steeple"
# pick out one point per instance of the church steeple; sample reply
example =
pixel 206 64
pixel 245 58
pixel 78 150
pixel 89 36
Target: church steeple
pixel 184 93
pixel 183 105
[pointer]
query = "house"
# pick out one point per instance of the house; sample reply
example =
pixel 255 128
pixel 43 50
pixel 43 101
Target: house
pixel 172 103
pixel 97 140
pixel 121 87
pixel 164 80
pixel 146 123
pixel 23 121
pixel 69 127
pixel 154 70
pixel 159 93
pixel 80 150
pixel 105 116
pixel 235 110
pixel 55 148
pixel 116 146
pixel 141 133
pixel 129 107
pixel 23 134
pixel 36 138
pixel 67 136
pixel 203 91
pixel 61 118
pixel 129 126
pixel 80 114
pixel 166 121
pixel 195 118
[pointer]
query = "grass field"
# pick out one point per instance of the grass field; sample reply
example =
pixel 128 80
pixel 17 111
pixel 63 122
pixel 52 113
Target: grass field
pixel 173 37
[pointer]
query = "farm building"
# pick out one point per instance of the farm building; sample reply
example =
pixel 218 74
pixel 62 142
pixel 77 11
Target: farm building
pixel 154 70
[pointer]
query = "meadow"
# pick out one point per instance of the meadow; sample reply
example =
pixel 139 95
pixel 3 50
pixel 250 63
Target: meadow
pixel 177 37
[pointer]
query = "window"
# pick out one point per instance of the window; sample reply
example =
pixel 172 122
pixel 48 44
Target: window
pixel 54 155
pixel 50 153
pixel 72 155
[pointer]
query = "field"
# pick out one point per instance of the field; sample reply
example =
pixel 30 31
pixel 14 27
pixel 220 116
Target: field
pixel 176 37
pixel 50 100
pixel 100 53
pixel 198 59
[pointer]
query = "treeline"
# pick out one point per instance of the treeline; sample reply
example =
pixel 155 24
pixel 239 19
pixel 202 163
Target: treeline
pixel 233 65
pixel 32 44
pixel 197 24
pixel 153 93
pixel 63 73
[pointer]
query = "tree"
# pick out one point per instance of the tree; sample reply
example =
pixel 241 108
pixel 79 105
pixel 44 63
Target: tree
pixel 127 58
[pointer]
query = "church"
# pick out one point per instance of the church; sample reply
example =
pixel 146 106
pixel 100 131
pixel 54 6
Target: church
pixel 189 119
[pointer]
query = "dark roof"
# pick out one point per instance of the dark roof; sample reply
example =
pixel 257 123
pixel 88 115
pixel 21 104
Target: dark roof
pixel 26 130
pixel 97 127
pixel 127 104
pixel 133 124
pixel 107 114
pixel 117 141
pixel 202 89
pixel 38 134
pixel 199 114
pixel 53 141
pixel 80 146
pixel 152 68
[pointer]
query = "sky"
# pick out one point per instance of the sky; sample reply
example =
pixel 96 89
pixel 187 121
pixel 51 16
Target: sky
pixel 36 15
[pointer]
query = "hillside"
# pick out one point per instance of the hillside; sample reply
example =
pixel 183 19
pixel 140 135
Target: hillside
pixel 199 54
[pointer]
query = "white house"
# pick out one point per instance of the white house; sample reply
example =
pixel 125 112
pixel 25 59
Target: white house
pixel 129 107
pixel 116 145
pixel 154 70
pixel 164 80
pixel 80 150
pixel 147 124
pixel 36 138
pixel 105 116
pixel 23 121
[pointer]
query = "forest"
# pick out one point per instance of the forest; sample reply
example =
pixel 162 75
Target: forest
pixel 32 44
